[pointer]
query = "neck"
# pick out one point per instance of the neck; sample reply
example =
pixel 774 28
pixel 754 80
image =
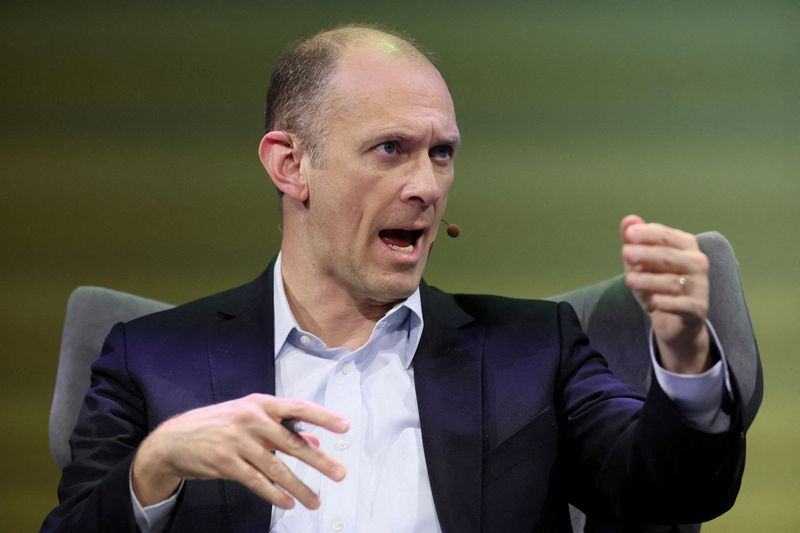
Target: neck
pixel 326 309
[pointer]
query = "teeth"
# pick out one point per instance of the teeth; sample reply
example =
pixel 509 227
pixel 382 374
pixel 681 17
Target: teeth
pixel 402 249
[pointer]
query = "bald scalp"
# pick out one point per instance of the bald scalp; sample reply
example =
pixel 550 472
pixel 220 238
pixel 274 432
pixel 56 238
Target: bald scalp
pixel 300 94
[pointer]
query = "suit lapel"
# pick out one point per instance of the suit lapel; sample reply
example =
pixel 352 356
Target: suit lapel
pixel 448 381
pixel 447 375
pixel 241 361
pixel 240 344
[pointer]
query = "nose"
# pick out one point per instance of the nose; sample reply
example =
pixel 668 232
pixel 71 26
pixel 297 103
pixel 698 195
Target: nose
pixel 425 185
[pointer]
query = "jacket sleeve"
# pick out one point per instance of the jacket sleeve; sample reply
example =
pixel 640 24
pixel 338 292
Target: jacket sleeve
pixel 639 463
pixel 94 493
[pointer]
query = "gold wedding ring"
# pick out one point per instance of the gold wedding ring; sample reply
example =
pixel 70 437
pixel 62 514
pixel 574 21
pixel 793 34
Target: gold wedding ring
pixel 684 283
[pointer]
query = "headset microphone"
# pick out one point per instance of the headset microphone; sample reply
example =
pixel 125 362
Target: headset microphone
pixel 453 230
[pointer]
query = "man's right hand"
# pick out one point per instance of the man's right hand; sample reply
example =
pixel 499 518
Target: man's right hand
pixel 235 440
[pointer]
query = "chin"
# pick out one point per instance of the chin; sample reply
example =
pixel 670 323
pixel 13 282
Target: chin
pixel 395 288
pixel 395 293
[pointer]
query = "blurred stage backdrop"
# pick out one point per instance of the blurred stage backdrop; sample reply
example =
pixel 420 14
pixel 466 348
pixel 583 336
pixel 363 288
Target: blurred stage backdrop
pixel 128 159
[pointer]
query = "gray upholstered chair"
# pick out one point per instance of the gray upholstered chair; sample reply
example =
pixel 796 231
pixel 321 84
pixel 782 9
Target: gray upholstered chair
pixel 608 312
pixel 91 311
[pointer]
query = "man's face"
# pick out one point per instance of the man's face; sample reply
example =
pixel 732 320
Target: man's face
pixel 375 205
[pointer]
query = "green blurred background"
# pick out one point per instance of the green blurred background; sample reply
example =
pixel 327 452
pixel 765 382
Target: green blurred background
pixel 128 159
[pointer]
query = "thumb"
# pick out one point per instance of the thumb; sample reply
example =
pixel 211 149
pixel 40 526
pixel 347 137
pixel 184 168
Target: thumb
pixel 628 221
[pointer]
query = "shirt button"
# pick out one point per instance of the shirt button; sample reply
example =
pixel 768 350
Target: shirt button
pixel 304 340
pixel 337 526
pixel 342 444
pixel 347 368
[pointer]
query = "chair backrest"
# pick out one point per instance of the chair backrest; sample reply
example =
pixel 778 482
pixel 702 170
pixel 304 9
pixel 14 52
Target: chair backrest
pixel 91 311
pixel 618 328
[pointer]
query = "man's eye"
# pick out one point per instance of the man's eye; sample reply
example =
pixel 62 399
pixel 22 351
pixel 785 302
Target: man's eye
pixel 388 148
pixel 441 152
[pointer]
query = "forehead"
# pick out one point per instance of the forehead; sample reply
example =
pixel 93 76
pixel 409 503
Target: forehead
pixel 374 85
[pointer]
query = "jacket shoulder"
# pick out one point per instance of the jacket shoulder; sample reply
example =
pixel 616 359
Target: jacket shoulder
pixel 222 305
pixel 493 309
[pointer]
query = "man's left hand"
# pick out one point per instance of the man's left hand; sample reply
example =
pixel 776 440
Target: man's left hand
pixel 668 275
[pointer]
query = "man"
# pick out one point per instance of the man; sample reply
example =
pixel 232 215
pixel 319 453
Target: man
pixel 422 411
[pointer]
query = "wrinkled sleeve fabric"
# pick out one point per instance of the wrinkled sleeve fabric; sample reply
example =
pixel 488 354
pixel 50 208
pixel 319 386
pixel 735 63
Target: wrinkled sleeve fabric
pixel 94 491
pixel 153 518
pixel 700 398
pixel 639 463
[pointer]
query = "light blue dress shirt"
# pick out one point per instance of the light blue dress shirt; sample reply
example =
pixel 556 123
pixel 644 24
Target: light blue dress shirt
pixel 387 486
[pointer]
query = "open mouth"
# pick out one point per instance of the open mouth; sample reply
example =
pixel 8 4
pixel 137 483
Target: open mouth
pixel 400 240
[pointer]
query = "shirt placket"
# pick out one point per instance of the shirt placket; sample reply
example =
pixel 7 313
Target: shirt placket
pixel 339 499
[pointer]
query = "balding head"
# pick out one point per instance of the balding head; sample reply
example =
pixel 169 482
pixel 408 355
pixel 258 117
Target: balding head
pixel 299 94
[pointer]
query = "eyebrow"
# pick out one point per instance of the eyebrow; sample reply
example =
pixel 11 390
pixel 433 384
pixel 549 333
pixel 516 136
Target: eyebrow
pixel 453 140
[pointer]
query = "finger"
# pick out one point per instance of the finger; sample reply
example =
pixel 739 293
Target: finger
pixel 627 222
pixel 645 258
pixel 310 439
pixel 276 471
pixel 297 427
pixel 685 306
pixel 275 436
pixel 283 408
pixel 659 234
pixel 255 480
pixel 673 284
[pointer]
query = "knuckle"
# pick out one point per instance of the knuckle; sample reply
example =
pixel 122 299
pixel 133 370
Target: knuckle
pixel 274 470
pixel 257 400
pixel 240 415
pixel 254 481
pixel 695 262
pixel 251 413
pixel 702 262
pixel 248 413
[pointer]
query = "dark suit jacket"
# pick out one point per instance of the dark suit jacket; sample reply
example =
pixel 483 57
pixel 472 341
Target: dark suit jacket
pixel 518 416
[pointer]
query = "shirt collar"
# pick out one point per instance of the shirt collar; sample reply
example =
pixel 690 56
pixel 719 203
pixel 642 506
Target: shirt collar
pixel 285 322
pixel 284 319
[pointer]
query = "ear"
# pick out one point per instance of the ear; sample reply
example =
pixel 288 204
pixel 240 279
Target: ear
pixel 281 157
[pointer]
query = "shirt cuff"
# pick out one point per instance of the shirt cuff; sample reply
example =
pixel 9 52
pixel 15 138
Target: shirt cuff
pixel 698 397
pixel 153 518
